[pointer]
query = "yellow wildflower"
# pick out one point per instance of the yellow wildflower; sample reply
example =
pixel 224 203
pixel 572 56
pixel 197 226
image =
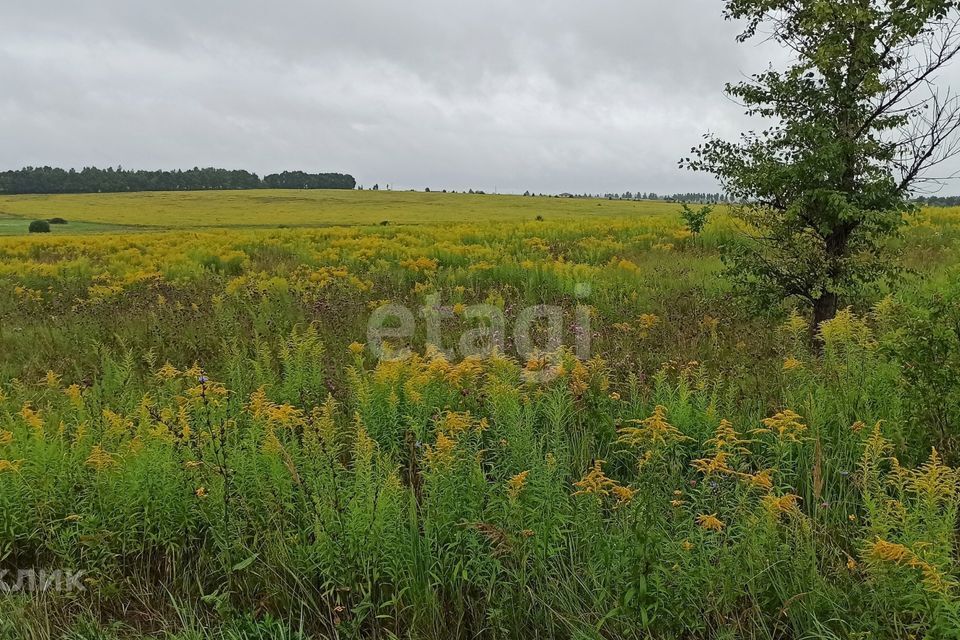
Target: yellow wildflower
pixel 653 432
pixel 710 522
pixel 786 425
pixel 759 480
pixel 100 459
pixel 356 348
pixel 167 372
pixel 51 380
pixel 796 325
pixel 595 481
pixel 716 464
pixel 456 422
pixel 777 505
pixel 441 454
pixel 516 484
pixel 74 394
pixel 32 418
pixel 624 495
pixel 10 465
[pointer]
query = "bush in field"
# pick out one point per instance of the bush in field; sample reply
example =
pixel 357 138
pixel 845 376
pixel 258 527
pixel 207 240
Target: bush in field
pixel 39 226
pixel 57 221
pixel 694 219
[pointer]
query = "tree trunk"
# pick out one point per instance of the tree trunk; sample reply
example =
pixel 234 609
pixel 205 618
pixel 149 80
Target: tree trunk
pixel 824 308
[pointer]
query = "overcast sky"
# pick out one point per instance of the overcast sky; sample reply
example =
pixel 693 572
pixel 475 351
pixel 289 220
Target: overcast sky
pixel 557 95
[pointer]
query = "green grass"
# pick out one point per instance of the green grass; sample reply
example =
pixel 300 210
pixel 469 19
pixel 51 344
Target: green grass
pixel 17 226
pixel 272 208
pixel 191 418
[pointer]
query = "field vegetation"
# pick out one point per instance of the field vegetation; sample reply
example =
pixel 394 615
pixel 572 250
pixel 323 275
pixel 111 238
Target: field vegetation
pixel 191 417
pixel 279 207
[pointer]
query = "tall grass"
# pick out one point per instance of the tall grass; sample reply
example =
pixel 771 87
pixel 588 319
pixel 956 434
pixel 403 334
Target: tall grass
pixel 182 419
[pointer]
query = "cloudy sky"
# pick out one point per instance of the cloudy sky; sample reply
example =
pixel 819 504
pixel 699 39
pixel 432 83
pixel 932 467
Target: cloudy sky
pixel 558 95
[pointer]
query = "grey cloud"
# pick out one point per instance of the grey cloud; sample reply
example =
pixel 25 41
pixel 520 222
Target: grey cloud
pixel 548 96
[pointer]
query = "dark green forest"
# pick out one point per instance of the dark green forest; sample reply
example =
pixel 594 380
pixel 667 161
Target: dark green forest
pixel 110 180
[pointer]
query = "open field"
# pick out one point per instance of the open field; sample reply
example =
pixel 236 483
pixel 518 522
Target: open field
pixel 272 208
pixel 15 226
pixel 195 419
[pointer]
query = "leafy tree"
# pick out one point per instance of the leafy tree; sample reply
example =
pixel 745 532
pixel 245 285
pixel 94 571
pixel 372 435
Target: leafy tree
pixel 694 219
pixel 39 226
pixel 857 126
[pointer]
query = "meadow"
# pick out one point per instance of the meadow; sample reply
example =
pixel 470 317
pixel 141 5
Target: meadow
pixel 191 415
pixel 311 208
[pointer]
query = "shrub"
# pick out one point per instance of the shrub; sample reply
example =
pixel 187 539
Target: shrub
pixel 39 226
pixel 57 221
pixel 694 219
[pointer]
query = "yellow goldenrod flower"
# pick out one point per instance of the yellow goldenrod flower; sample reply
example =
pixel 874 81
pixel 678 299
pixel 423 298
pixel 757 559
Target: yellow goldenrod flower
pixel 777 505
pixel 653 432
pixel 786 425
pixel 624 495
pixel 74 394
pixel 595 482
pixel 100 459
pixel 796 325
pixel 516 484
pixel 710 522
pixel 455 422
pixel 759 480
pixel 271 444
pixel 716 464
pixel 441 454
pixel 886 551
pixel 791 364
pixel 167 372
pixel 10 465
pixel 51 380
pixel 33 419
pixel 356 348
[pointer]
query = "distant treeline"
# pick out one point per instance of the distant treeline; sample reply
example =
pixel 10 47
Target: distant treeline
pixel 94 180
pixel 704 198
pixel 939 201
